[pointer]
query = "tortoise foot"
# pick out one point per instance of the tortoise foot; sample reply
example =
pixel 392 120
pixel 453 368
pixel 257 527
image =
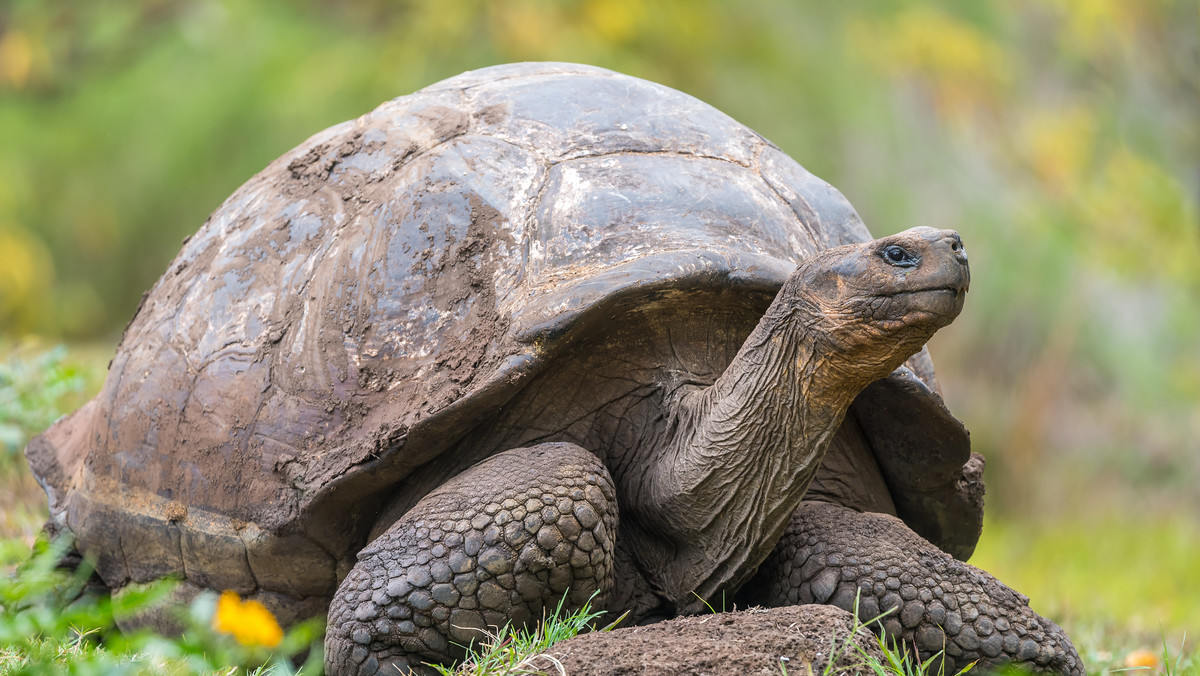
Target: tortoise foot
pixel 927 599
pixel 503 542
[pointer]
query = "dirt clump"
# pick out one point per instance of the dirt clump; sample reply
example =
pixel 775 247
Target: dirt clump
pixel 755 641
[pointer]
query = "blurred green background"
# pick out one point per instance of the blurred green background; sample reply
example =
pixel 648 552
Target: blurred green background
pixel 1060 137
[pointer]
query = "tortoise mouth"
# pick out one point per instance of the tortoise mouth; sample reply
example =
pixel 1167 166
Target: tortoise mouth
pixel 937 303
pixel 958 289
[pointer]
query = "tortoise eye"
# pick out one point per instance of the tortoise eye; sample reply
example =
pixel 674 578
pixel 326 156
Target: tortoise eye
pixel 900 257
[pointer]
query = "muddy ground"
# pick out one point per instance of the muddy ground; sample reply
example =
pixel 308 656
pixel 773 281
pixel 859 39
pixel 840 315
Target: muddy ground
pixel 755 641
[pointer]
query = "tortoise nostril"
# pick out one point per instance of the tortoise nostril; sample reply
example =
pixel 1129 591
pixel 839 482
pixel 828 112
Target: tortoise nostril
pixel 956 246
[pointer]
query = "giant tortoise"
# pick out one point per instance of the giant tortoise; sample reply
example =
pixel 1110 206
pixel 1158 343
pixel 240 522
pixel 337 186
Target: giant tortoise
pixel 541 330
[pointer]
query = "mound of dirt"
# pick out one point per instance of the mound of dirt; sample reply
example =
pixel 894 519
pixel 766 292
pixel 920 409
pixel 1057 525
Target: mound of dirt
pixel 755 641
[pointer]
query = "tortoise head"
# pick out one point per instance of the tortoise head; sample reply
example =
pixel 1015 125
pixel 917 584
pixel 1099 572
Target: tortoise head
pixel 880 301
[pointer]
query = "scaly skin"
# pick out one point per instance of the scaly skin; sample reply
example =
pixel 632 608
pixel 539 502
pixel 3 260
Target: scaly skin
pixel 831 554
pixel 501 542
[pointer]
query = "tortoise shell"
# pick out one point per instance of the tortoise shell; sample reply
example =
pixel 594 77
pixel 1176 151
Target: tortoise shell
pixel 398 282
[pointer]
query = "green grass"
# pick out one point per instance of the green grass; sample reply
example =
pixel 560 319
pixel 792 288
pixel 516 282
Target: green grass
pixel 49 624
pixel 509 651
pixel 1117 582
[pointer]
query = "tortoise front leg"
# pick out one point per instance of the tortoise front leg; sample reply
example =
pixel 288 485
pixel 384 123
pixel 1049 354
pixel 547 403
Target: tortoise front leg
pixel 501 542
pixel 831 554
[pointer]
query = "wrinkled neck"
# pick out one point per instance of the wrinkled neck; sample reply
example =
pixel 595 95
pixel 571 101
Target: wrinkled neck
pixel 740 454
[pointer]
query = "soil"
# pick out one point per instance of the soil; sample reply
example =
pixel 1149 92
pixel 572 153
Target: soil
pixel 755 641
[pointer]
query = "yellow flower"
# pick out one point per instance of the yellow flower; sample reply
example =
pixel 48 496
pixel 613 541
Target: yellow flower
pixel 1141 658
pixel 248 621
